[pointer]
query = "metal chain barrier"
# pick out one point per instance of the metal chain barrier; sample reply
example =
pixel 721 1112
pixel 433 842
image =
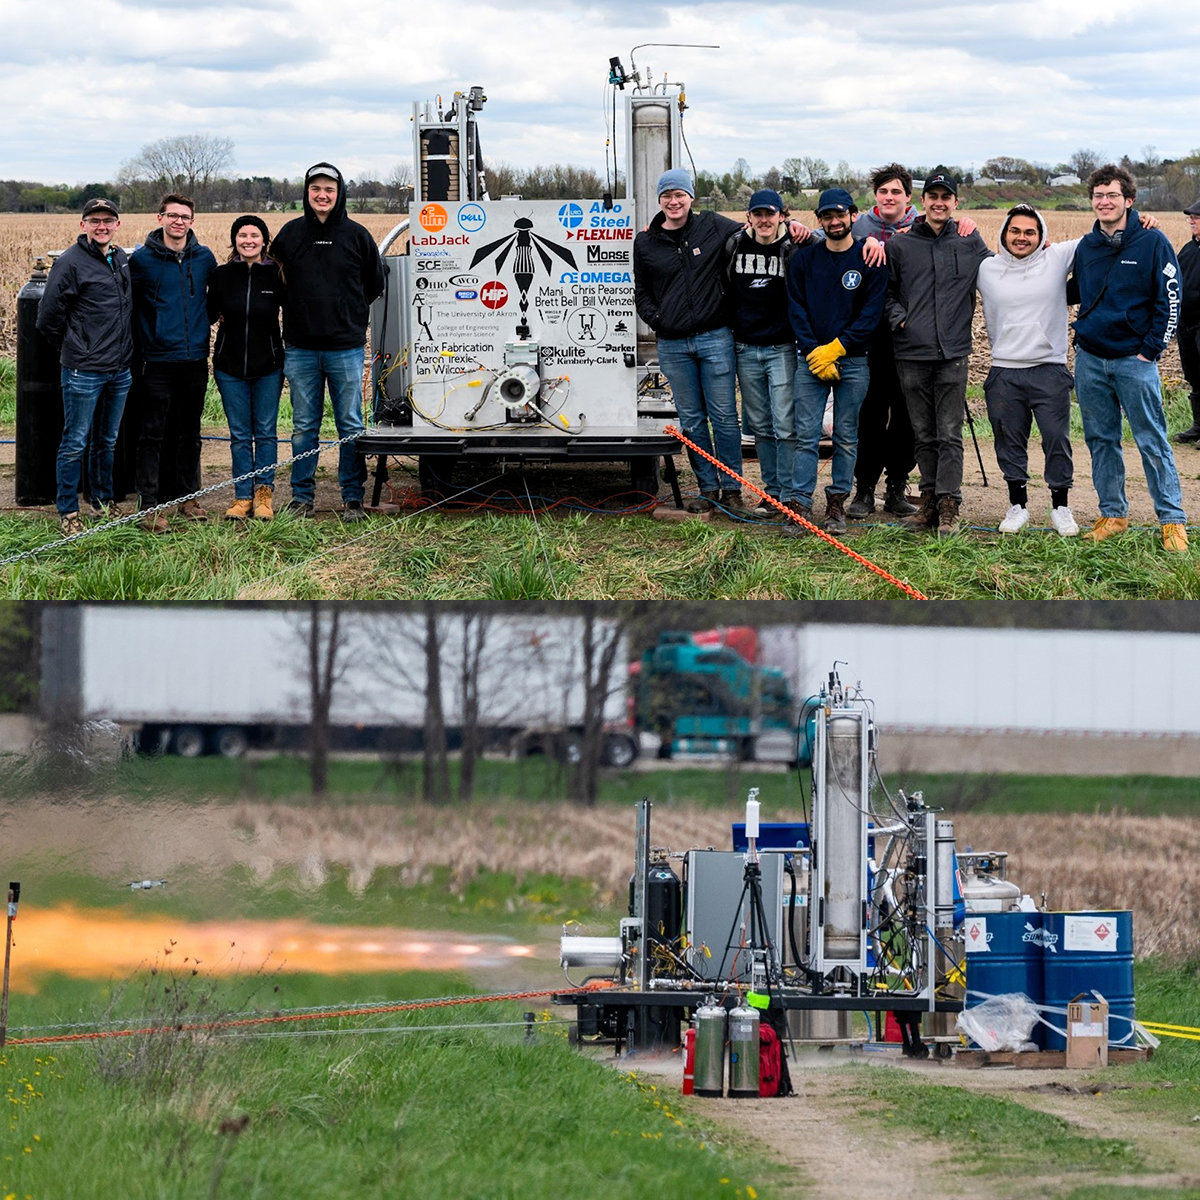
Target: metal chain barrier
pixel 129 518
pixel 792 515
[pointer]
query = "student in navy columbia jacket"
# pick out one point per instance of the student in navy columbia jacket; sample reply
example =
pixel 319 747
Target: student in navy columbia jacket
pixel 1128 286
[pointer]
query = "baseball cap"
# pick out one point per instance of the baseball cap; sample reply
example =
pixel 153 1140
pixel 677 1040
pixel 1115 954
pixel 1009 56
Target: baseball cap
pixel 835 199
pixel 941 178
pixel 1192 210
pixel 99 204
pixel 765 198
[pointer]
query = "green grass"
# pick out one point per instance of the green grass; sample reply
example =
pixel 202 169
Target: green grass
pixel 573 555
pixel 436 556
pixel 990 1135
pixel 284 779
pixel 464 1113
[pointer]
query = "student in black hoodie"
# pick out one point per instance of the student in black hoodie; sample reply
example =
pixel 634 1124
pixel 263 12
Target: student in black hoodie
pixel 245 295
pixel 333 271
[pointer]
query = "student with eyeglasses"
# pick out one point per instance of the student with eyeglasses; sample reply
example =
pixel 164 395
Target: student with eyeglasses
pixel 1126 280
pixel 170 278
pixel 85 311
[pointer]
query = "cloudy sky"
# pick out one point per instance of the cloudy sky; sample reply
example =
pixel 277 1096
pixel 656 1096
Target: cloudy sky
pixel 88 82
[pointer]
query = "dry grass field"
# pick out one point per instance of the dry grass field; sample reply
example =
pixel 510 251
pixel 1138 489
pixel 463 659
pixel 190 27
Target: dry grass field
pixel 1101 861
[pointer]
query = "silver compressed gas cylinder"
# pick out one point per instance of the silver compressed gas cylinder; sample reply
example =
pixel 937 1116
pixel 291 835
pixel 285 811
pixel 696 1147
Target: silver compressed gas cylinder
pixel 743 1051
pixel 710 1050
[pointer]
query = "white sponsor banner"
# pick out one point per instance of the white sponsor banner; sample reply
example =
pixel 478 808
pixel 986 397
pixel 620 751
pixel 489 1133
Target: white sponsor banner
pixel 555 276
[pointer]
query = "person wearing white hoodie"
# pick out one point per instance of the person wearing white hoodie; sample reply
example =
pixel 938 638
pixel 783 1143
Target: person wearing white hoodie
pixel 1024 294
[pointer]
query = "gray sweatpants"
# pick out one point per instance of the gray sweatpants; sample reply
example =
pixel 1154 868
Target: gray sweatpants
pixel 1015 396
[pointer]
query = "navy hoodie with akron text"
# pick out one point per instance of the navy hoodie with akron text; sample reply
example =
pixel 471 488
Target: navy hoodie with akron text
pixel 170 312
pixel 332 271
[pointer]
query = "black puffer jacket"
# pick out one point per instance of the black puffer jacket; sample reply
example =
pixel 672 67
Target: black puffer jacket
pixel 679 286
pixel 247 298
pixel 87 308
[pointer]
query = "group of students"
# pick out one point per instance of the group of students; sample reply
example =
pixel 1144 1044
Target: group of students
pixel 875 309
pixel 106 311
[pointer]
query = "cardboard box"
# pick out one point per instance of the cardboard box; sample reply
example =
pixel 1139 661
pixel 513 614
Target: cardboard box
pixel 1087 1032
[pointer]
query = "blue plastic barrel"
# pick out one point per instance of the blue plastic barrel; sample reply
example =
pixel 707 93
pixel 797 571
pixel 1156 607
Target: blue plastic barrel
pixel 1086 952
pixel 1004 955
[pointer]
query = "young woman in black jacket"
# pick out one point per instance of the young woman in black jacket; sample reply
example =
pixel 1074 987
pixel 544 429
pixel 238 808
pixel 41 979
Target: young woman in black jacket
pixel 245 295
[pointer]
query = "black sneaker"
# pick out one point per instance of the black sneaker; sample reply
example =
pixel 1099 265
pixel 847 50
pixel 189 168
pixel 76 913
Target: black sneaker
pixel 1186 436
pixel 863 504
pixel 299 508
pixel 353 510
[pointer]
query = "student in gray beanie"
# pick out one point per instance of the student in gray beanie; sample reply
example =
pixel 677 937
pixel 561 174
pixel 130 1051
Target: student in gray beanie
pixel 679 288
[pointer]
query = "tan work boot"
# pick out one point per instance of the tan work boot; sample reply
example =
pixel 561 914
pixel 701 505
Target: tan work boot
pixel 154 522
pixel 1175 538
pixel 1106 527
pixel 239 510
pixel 192 510
pixel 264 502
pixel 926 517
pixel 948 518
pixel 71 524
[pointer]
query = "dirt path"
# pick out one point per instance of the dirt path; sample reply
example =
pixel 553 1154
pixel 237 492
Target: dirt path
pixel 833 1152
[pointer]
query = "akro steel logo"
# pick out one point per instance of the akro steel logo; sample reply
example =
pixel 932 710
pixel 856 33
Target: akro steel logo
pixel 432 217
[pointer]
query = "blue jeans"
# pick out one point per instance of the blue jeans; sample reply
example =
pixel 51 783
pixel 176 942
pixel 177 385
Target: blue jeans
pixel 766 376
pixel 92 401
pixel 252 410
pixel 1105 387
pixel 308 371
pixel 701 372
pixel 811 394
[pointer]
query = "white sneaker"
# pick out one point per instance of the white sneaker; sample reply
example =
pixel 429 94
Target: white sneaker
pixel 1063 521
pixel 1015 519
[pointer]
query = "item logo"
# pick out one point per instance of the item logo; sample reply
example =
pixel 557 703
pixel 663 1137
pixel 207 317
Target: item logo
pixel 570 216
pixel 471 217
pixel 464 280
pixel 432 217
pixel 851 280
pixel 493 295
pixel 466 294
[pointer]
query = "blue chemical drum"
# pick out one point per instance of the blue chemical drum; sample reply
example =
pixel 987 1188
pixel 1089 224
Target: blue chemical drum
pixel 1004 955
pixel 1086 952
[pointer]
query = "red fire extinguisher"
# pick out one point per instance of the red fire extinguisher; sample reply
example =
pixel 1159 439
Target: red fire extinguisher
pixel 689 1061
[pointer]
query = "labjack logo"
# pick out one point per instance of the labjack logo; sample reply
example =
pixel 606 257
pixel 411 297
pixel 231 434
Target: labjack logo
pixel 432 217
pixel 443 239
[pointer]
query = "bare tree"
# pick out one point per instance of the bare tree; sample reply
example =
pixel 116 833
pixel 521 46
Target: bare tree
pixel 187 162
pixel 600 643
pixel 1084 162
pixel 327 660
pixel 436 761
pixel 398 187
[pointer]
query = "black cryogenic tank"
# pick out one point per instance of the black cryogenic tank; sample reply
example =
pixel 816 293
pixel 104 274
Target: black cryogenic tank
pixel 664 904
pixel 39 398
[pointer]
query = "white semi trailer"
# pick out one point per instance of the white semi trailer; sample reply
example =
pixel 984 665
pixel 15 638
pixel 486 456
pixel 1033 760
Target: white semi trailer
pixel 213 680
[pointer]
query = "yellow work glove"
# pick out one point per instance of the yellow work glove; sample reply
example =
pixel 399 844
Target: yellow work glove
pixel 828 374
pixel 824 356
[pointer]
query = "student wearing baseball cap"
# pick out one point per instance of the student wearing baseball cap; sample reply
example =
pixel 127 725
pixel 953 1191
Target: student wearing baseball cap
pixel 86 311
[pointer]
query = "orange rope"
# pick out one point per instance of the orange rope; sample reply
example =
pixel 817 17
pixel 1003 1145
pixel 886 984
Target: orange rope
pixel 280 1018
pixel 792 515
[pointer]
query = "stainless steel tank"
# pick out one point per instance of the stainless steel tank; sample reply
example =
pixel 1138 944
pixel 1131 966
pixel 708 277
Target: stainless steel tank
pixel 710 1025
pixel 743 1051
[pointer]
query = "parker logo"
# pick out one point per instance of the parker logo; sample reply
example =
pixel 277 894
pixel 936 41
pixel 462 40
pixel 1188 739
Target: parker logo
pixel 432 217
pixel 493 295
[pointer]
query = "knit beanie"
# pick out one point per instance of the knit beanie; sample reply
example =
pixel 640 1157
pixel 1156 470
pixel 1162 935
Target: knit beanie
pixel 249 219
pixel 676 180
